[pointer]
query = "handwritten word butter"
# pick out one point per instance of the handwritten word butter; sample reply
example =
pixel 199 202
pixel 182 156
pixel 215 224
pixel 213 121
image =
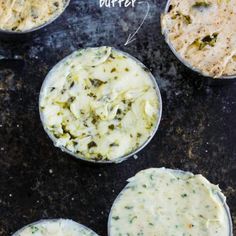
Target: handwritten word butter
pixel 117 3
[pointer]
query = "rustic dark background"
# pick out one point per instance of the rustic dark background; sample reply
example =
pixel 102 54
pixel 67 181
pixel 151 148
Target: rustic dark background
pixel 197 131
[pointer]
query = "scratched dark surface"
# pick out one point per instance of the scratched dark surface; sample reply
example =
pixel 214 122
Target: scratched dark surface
pixel 197 131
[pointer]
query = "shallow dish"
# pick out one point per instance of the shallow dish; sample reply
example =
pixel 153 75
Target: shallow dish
pixel 110 82
pixel 136 183
pixel 34 227
pixel 226 78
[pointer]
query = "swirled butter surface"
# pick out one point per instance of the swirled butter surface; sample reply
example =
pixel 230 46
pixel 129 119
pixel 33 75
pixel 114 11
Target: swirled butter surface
pixel 203 34
pixel 99 104
pixel 22 15
pixel 55 228
pixel 163 202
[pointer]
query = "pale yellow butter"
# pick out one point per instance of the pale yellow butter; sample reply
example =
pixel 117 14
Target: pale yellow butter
pixel 99 104
pixel 23 15
pixel 55 228
pixel 163 202
pixel 203 34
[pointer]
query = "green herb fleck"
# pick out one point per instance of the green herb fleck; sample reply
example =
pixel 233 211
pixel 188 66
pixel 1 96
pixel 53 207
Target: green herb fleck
pixel 187 19
pixel 72 84
pixel 201 4
pixel 209 40
pixel 128 207
pixel 111 127
pixel 92 144
pixel 132 219
pixel 96 82
pixel 92 95
pixel 34 229
pixel 114 145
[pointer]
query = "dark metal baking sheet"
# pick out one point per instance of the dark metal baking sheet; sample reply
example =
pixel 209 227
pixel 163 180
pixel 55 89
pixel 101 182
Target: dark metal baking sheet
pixel 197 131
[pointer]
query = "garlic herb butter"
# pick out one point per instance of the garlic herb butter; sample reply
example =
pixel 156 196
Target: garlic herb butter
pixel 99 104
pixel 203 35
pixel 23 15
pixel 55 228
pixel 163 202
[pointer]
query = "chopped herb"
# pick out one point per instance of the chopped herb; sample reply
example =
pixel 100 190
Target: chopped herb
pixel 184 195
pixel 113 70
pixel 112 57
pixel 96 82
pixel 72 84
pixel 92 95
pixel 56 4
pixel 99 157
pixel 111 127
pixel 139 135
pixel 132 219
pixel 63 91
pixel 201 4
pixel 128 207
pixel 114 145
pixel 79 53
pixel 95 119
pixel 186 18
pixel 115 217
pixel 34 229
pixel 170 8
pixel 209 40
pixel 119 111
pixel 92 144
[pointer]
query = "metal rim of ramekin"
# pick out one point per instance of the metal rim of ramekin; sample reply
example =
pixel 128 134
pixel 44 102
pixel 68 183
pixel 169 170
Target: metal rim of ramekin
pixel 183 61
pixel 119 159
pixel 53 221
pixel 10 32
pixel 220 195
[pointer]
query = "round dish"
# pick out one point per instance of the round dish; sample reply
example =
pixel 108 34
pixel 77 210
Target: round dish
pixel 56 227
pixel 206 41
pixel 111 102
pixel 38 26
pixel 167 202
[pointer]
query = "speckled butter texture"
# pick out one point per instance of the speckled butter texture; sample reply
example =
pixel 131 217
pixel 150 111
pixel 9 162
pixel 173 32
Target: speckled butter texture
pixel 22 15
pixel 162 202
pixel 99 104
pixel 56 228
pixel 203 34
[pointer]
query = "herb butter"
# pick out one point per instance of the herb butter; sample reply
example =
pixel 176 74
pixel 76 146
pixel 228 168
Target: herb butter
pixel 99 104
pixel 23 15
pixel 202 33
pixel 55 228
pixel 163 202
